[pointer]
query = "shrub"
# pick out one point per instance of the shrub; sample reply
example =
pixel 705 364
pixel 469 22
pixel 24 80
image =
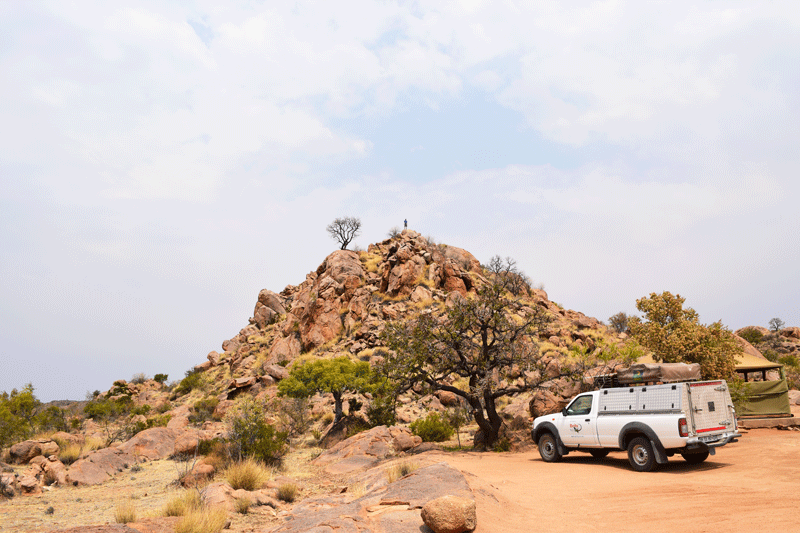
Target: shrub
pixel 248 474
pixel 287 492
pixel 751 335
pixel 203 520
pixel 294 414
pixel 203 410
pixel 432 428
pixel 139 378
pixel 17 411
pixel 193 380
pixel 160 378
pixel 125 512
pixel 382 411
pixel 249 435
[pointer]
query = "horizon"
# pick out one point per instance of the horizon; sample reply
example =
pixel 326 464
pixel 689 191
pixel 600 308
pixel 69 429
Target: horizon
pixel 161 165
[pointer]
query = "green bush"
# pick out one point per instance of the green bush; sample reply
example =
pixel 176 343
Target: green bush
pixel 751 335
pixel 249 435
pixel 17 411
pixel 160 378
pixel 192 381
pixel 203 410
pixel 432 428
pixel 382 412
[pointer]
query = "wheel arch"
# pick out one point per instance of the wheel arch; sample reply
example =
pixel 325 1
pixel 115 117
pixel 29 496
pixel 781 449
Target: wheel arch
pixel 632 430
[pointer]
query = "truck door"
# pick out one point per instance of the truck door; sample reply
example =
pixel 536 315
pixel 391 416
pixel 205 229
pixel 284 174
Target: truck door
pixel 578 425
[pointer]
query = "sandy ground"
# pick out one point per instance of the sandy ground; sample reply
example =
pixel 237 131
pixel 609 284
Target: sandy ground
pixel 751 485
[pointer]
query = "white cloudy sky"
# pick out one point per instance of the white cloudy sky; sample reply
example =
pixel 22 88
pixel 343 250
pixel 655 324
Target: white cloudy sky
pixel 160 164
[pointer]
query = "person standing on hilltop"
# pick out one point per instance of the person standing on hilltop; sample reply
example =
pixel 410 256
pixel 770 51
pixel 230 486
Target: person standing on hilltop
pixel 405 224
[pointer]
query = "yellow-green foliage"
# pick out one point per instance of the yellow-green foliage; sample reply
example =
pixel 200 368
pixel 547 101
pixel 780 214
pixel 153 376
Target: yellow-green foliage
pixel 370 261
pixel 203 520
pixel 183 504
pixel 248 474
pixel 125 512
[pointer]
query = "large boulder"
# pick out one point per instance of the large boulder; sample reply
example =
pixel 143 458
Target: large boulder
pixel 151 444
pixel 99 466
pixel 367 448
pixel 384 508
pixel 791 333
pixel 23 452
pixel 450 514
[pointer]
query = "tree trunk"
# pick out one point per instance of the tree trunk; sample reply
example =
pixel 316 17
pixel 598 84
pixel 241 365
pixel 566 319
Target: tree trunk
pixel 337 406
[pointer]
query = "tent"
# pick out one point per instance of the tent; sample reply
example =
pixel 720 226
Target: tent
pixel 769 392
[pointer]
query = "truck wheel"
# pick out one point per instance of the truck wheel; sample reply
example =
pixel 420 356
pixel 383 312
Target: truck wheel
pixel 695 458
pixel 548 448
pixel 599 454
pixel 640 454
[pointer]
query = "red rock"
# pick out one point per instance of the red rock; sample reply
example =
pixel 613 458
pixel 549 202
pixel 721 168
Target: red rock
pixel 23 452
pixel 450 514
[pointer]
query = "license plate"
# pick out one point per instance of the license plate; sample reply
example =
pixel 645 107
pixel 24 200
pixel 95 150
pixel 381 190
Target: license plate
pixel 709 438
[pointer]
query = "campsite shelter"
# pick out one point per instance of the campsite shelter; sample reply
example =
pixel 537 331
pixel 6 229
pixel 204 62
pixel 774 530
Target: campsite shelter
pixel 769 391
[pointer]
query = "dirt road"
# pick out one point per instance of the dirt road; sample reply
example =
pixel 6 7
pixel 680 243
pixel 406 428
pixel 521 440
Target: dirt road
pixel 749 486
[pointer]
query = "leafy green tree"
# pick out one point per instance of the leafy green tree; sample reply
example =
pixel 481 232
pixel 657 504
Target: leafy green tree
pixel 674 335
pixel 483 338
pixel 17 415
pixel 336 376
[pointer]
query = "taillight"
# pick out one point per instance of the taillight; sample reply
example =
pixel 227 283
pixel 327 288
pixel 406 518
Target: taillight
pixel 683 428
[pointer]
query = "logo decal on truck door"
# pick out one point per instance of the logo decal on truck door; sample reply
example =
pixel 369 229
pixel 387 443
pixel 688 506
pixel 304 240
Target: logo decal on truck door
pixel 576 427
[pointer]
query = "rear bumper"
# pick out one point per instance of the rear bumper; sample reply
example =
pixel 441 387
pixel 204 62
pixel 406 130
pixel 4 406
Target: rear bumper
pixel 721 440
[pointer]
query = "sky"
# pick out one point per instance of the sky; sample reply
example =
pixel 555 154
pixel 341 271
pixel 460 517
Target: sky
pixel 162 162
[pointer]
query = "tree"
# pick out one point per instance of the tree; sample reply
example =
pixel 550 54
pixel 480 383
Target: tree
pixel 17 415
pixel 336 376
pixel 776 324
pixel 675 335
pixel 486 339
pixel 344 230
pixel 619 322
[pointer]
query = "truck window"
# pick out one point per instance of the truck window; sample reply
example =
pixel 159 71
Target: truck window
pixel 582 405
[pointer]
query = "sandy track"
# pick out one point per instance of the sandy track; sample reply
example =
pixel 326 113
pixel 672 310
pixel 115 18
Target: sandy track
pixel 752 485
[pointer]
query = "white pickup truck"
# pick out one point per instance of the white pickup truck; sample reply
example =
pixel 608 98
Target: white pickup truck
pixel 651 422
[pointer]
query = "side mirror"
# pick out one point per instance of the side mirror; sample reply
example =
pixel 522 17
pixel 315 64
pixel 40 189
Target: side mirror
pixel 564 412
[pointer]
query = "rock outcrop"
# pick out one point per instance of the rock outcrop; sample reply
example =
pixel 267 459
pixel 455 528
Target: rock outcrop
pixel 387 508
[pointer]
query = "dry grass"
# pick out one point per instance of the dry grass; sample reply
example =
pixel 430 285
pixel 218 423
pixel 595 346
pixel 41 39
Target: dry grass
pixel 370 261
pixel 70 453
pixel 288 492
pixel 125 512
pixel 248 475
pixel 183 504
pixel 399 470
pixel 242 505
pixel 204 520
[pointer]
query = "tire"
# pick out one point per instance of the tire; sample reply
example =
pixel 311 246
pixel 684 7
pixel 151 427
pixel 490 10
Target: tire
pixel 640 455
pixel 695 458
pixel 548 448
pixel 599 454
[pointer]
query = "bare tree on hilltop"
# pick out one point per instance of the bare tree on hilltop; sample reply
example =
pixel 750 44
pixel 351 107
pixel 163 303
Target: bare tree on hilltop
pixel 344 230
